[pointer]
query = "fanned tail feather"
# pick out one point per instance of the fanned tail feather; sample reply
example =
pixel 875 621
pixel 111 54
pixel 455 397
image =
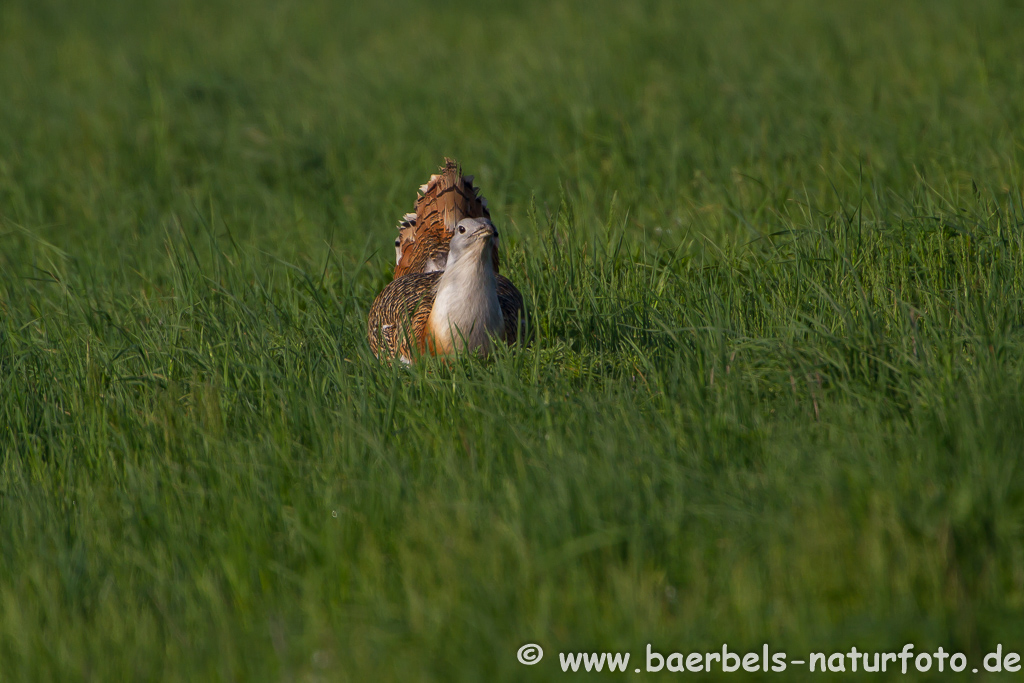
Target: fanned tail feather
pixel 423 236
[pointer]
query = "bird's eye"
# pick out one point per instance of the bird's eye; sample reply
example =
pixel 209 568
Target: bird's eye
pixel 462 229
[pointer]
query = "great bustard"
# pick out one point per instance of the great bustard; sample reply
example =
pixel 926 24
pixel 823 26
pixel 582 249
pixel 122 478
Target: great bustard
pixel 447 295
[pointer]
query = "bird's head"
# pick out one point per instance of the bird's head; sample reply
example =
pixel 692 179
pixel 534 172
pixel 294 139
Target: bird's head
pixel 473 237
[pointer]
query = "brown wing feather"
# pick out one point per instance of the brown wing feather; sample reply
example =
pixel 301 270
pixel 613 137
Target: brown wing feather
pixel 446 199
pixel 398 318
pixel 511 309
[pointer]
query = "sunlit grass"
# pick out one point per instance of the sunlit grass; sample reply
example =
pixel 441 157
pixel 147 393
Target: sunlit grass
pixel 774 264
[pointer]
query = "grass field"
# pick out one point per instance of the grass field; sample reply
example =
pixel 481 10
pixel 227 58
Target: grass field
pixel 774 258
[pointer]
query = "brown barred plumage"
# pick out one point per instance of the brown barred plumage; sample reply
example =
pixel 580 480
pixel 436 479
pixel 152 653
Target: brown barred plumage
pixel 398 318
pixel 424 236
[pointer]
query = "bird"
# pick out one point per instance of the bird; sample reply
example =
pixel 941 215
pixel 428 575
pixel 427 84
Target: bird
pixel 447 295
pixel 465 307
pixel 443 201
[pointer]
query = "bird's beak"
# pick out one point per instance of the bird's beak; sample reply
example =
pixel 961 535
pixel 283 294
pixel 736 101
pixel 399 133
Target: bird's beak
pixel 484 231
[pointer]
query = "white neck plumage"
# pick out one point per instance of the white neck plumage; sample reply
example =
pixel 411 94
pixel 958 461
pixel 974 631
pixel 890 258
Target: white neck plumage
pixel 466 312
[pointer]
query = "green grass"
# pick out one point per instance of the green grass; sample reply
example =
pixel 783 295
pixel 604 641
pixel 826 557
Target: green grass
pixel 774 259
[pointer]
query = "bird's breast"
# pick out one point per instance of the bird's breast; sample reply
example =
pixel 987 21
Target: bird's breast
pixel 465 315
